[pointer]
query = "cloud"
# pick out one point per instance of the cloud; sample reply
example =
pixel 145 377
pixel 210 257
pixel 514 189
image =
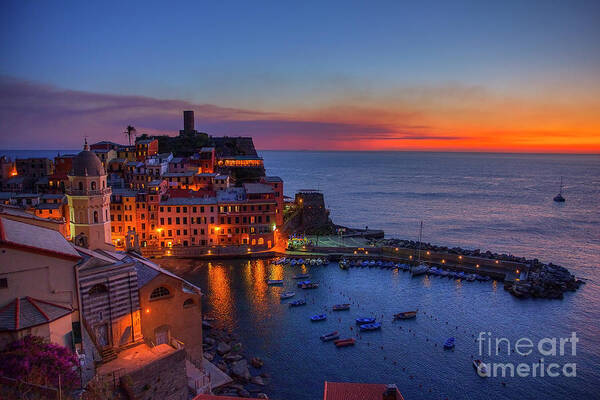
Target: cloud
pixel 38 116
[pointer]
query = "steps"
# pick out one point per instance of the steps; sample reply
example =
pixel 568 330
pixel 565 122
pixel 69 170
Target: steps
pixel 108 354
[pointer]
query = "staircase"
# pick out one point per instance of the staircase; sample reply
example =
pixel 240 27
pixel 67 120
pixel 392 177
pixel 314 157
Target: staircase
pixel 108 354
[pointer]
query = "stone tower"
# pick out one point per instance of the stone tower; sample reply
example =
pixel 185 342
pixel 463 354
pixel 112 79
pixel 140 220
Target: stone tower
pixel 89 200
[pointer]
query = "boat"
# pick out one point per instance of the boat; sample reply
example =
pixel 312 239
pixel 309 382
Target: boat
pixel 302 283
pixel 406 315
pixel 344 342
pixel 287 295
pixel 311 285
pixel 300 261
pixel 330 336
pixel 371 263
pixel 318 317
pixel 341 307
pixel 449 343
pixel 293 262
pixel 343 265
pixel 363 321
pixel 370 327
pixel 313 261
pixel 301 276
pixel 470 277
pixel 559 197
pixel 420 269
pixel 443 273
pixel 275 282
pixel 480 368
pixel 297 303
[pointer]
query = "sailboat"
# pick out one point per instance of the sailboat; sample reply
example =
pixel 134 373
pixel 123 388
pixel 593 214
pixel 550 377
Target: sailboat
pixel 559 198
pixel 420 269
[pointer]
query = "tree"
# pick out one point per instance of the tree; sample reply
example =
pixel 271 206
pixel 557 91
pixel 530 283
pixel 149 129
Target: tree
pixel 130 130
pixel 34 360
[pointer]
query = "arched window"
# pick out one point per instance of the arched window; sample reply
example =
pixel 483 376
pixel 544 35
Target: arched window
pixel 98 289
pixel 261 241
pixel 95 217
pixel 188 303
pixel 80 185
pixel 106 215
pixel 159 292
pixel 93 185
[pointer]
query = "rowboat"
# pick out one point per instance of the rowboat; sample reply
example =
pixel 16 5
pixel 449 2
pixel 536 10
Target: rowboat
pixel 297 303
pixel 330 336
pixel 299 284
pixel 370 327
pixel 362 321
pixel 319 317
pixel 344 342
pixel 312 285
pixel 341 307
pixel 480 368
pixel 405 315
pixel 275 282
pixel 287 295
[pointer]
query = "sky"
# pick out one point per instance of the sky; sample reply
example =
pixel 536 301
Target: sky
pixel 510 76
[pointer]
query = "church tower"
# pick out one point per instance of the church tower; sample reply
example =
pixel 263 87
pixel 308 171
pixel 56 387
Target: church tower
pixel 89 201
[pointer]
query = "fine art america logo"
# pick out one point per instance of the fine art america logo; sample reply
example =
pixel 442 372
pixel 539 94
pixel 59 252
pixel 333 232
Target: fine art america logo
pixel 523 347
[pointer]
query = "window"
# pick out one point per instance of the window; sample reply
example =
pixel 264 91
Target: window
pixel 80 185
pixel 95 217
pixel 93 185
pixel 98 289
pixel 3 283
pixel 159 292
pixel 188 303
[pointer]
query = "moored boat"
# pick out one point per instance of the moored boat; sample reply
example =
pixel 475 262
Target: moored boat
pixel 330 336
pixel 449 343
pixel 297 303
pixel 405 315
pixel 363 321
pixel 287 295
pixel 318 317
pixel 370 327
pixel 419 270
pixel 341 307
pixel 344 342
pixel 480 368
pixel 312 285
pixel 275 282
pixel 303 283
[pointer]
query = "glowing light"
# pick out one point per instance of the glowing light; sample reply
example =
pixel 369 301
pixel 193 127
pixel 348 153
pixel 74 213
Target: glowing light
pixel 497 261
pixel 249 249
pixel 366 252
pixel 517 271
pixel 477 266
pixel 148 310
pixel 410 257
pixel 354 251
pixel 396 249
pixel 443 261
pixel 209 252
pixel 460 257
pixel 428 253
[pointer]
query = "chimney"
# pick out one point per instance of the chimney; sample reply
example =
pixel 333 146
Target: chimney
pixel 188 121
pixel 391 392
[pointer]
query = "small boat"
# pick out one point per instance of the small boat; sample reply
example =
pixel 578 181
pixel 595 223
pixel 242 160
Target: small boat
pixel 405 315
pixel 480 368
pixel 301 276
pixel 370 327
pixel 311 285
pixel 363 321
pixel 275 282
pixel 443 273
pixel 379 263
pixel 470 277
pixel 293 262
pixel 297 303
pixel 341 307
pixel 330 336
pixel 371 263
pixel 449 343
pixel 313 261
pixel 344 342
pixel 343 266
pixel 559 197
pixel 300 261
pixel 287 295
pixel 303 283
pixel 318 317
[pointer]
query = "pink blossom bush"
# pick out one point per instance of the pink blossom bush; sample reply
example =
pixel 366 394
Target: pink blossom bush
pixel 34 360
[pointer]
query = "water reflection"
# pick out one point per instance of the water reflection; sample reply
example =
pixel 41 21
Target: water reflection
pixel 219 292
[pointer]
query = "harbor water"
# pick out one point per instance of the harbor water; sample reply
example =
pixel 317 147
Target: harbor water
pixel 497 202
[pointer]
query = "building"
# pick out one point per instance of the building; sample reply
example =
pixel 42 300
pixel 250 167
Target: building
pixel 105 156
pixel 35 167
pixel 89 201
pixel 360 391
pixel 145 148
pixel 38 293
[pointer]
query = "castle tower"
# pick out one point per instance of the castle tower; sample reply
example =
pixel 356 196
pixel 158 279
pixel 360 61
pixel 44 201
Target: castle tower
pixel 89 200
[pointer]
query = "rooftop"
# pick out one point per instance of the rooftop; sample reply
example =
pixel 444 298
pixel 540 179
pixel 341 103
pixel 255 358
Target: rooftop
pixel 29 237
pixel 257 188
pixel 134 358
pixel 25 312
pixel 358 391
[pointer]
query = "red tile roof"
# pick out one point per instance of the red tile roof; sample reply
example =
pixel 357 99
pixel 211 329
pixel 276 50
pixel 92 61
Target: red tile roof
pixel 356 391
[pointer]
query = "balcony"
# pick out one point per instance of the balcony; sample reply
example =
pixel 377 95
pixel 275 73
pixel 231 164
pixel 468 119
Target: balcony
pixel 84 192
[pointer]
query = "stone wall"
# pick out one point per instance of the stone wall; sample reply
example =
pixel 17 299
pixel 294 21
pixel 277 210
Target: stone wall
pixel 314 217
pixel 163 379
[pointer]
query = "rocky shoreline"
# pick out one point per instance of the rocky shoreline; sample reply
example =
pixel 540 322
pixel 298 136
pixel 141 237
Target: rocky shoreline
pixel 548 281
pixel 224 350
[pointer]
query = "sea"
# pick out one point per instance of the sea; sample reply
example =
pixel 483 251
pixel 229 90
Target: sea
pixel 497 202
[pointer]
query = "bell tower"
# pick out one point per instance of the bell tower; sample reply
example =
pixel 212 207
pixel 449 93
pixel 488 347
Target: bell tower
pixel 89 200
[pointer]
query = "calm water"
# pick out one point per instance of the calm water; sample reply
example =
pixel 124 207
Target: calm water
pixel 488 201
pixel 493 202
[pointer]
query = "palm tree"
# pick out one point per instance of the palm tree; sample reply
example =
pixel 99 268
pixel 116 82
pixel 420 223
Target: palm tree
pixel 129 131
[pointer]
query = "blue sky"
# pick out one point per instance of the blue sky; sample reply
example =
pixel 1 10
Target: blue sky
pixel 298 57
